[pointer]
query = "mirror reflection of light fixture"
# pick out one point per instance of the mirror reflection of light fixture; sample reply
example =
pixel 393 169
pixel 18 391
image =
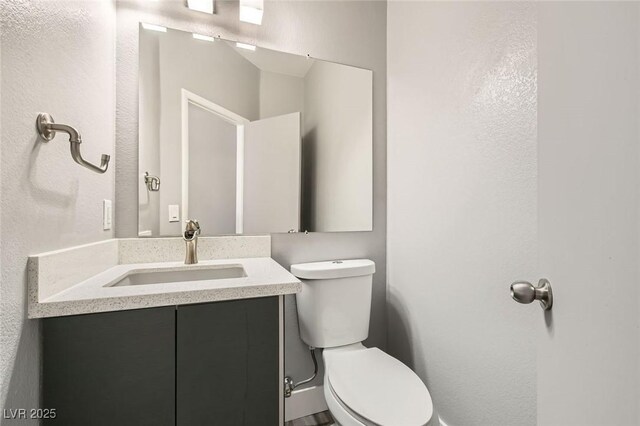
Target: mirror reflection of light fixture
pixel 153 27
pixel 205 6
pixel 245 46
pixel 251 11
pixel 203 37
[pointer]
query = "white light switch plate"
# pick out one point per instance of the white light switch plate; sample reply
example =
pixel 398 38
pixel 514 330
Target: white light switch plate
pixel 107 215
pixel 174 213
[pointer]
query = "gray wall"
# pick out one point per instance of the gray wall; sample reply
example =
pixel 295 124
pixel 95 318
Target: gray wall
pixel 213 147
pixel 462 204
pixel 347 32
pixel 280 94
pixel 337 148
pixel 58 57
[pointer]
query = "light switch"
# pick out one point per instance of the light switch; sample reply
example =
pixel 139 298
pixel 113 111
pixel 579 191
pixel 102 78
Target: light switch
pixel 107 215
pixel 174 213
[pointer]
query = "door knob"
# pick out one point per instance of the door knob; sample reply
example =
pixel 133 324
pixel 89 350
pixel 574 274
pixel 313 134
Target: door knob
pixel 525 292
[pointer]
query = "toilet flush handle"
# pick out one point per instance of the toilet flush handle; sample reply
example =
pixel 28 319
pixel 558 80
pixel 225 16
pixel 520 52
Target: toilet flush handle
pixel 525 292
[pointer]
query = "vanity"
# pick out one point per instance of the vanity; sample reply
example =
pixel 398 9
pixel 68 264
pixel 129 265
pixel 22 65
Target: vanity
pixel 211 363
pixel 133 337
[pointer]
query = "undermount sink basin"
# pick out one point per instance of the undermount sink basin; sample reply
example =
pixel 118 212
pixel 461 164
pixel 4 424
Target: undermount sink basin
pixel 180 275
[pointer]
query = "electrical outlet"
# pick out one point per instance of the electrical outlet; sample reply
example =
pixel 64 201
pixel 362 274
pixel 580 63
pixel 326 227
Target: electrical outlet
pixel 107 215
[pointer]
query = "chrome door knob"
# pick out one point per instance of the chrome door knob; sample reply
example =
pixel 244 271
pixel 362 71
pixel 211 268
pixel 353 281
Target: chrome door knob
pixel 525 292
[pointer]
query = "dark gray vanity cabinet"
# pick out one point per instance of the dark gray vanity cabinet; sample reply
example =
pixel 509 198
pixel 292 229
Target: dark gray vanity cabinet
pixel 207 364
pixel 115 368
pixel 228 363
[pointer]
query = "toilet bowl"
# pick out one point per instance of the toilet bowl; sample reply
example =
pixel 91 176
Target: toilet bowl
pixel 362 386
pixel 366 387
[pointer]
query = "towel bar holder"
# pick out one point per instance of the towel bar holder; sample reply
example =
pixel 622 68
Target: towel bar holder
pixel 47 129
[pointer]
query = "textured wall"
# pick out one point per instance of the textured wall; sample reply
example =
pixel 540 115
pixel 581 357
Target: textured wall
pixel 58 57
pixel 350 32
pixel 462 204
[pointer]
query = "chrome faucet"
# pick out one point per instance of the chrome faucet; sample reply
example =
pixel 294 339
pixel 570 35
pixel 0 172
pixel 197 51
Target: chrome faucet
pixel 190 236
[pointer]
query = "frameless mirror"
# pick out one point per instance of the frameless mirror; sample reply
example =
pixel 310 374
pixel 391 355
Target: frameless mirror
pixel 249 140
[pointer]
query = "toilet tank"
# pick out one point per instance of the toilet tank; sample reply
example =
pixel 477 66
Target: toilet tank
pixel 335 302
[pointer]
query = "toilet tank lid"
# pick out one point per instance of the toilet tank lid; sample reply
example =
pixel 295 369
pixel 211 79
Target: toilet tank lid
pixel 334 269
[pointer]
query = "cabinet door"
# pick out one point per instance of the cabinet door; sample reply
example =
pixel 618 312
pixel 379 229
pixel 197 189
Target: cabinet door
pixel 228 363
pixel 115 368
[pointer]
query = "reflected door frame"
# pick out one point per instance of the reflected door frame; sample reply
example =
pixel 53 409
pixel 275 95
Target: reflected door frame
pixel 239 121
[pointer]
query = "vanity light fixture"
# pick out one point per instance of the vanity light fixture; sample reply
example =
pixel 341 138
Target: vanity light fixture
pixel 153 27
pixel 251 11
pixel 205 6
pixel 245 46
pixel 203 37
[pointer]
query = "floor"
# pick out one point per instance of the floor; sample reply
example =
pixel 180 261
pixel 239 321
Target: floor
pixel 318 419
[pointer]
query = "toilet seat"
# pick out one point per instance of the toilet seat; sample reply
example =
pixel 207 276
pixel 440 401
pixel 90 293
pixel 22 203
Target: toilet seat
pixel 376 388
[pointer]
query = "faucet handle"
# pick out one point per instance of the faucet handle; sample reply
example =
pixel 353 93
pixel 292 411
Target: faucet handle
pixel 191 229
pixel 192 224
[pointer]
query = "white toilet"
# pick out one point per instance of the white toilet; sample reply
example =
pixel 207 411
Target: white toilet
pixel 362 386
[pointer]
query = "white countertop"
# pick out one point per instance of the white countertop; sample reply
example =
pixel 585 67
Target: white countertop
pixel 265 277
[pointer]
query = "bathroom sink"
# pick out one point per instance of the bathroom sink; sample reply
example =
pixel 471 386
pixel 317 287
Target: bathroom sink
pixel 142 277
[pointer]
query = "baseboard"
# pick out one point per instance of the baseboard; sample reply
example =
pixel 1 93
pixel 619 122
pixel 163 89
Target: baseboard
pixel 304 402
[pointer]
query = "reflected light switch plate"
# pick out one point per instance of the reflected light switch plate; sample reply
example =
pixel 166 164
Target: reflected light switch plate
pixel 174 213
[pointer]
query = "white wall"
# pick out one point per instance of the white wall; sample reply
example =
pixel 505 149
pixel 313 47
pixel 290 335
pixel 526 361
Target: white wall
pixel 57 57
pixel 337 148
pixel 589 216
pixel 347 32
pixel 462 204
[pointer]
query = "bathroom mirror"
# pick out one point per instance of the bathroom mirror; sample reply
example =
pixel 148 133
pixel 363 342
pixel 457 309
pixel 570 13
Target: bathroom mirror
pixel 249 140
